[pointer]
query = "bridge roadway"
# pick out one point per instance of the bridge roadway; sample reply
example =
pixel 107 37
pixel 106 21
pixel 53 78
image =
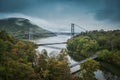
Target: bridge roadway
pixel 51 43
pixel 53 47
pixel 78 63
pixel 57 33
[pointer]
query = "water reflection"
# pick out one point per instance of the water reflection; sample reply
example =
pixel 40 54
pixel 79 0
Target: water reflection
pixel 110 76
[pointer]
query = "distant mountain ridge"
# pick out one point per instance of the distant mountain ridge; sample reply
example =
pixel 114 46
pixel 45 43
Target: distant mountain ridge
pixel 20 27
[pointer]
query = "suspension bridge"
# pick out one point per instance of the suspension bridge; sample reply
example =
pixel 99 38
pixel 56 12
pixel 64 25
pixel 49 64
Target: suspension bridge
pixel 72 33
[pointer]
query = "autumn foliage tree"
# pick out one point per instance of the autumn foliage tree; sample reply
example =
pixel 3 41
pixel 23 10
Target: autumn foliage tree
pixel 16 58
pixel 54 68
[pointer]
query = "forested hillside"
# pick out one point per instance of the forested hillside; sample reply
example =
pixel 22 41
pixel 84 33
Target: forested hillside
pixel 106 44
pixel 20 27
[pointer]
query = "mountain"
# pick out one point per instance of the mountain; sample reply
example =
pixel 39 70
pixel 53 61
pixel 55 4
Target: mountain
pixel 20 27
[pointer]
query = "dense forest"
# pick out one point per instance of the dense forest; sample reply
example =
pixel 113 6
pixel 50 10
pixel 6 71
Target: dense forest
pixel 106 44
pixel 19 61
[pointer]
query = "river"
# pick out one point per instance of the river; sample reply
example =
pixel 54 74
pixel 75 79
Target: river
pixel 55 49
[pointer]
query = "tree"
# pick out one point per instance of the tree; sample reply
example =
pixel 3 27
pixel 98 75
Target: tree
pixel 88 68
pixel 116 58
pixel 20 71
pixel 82 46
pixel 104 54
pixel 54 68
pixel 15 60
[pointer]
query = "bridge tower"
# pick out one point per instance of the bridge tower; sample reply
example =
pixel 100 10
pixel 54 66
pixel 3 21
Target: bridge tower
pixel 72 29
pixel 30 34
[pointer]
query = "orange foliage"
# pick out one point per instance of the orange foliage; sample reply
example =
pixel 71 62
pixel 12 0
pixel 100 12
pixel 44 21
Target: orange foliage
pixel 14 50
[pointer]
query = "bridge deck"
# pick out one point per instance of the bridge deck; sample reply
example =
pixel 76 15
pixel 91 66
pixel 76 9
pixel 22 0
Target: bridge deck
pixel 51 43
pixel 53 47
pixel 78 63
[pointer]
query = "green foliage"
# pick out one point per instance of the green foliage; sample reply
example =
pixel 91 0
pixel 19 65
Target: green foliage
pixel 88 68
pixel 112 57
pixel 105 43
pixel 18 71
pixel 104 54
pixel 82 46
pixel 116 58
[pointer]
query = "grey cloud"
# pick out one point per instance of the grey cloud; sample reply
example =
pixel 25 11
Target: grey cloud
pixel 110 11
pixel 103 9
pixel 10 5
pixel 21 5
pixel 17 5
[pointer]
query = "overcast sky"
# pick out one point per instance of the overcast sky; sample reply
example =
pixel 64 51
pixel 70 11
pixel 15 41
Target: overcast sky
pixel 59 14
